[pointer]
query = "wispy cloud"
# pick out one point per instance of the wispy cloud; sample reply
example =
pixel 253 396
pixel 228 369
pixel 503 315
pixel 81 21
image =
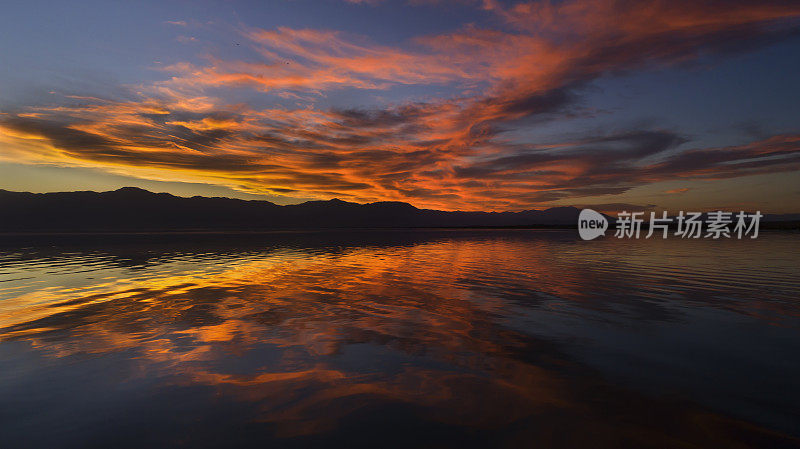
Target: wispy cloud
pixel 448 151
pixel 677 191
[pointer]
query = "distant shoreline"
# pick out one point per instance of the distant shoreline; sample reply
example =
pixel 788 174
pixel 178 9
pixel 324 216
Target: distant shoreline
pixel 286 231
pixel 781 226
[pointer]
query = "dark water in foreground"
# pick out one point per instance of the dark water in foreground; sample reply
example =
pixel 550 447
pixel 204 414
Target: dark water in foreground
pixel 399 338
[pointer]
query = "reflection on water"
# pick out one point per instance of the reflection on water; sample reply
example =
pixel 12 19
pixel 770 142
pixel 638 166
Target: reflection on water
pixel 399 338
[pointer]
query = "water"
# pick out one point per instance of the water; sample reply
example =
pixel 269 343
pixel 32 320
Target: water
pixel 399 338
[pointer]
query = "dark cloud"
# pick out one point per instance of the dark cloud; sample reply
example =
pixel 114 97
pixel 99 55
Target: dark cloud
pixel 448 152
pixel 60 134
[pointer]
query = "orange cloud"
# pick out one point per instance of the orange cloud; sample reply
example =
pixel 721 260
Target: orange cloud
pixel 675 191
pixel 445 152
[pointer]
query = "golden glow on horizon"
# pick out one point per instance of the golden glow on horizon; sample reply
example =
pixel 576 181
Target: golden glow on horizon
pixel 446 153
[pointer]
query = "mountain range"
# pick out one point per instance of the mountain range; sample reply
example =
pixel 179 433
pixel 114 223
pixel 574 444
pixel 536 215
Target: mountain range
pixel 132 209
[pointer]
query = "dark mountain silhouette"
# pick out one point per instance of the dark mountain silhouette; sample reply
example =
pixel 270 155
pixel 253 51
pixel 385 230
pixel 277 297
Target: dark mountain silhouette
pixel 134 209
pixel 131 209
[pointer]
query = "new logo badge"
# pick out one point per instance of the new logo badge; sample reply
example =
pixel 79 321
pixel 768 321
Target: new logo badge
pixel 591 224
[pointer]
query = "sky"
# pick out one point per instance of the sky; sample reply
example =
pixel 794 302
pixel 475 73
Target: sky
pixel 454 105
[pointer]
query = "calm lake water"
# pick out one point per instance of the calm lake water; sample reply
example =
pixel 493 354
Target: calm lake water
pixel 483 338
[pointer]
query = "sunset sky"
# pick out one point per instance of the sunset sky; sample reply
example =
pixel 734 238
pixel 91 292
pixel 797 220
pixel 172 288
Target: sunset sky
pixel 470 105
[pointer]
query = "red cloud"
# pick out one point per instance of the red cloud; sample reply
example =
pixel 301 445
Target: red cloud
pixel 448 152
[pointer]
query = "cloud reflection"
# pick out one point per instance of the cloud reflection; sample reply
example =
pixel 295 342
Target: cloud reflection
pixel 310 337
